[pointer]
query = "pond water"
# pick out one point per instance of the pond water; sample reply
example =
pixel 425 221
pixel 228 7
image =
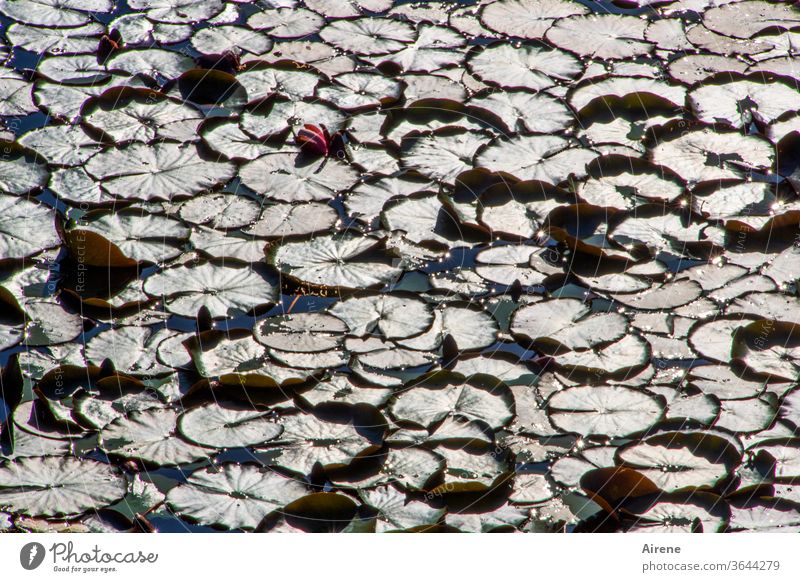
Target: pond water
pixel 375 265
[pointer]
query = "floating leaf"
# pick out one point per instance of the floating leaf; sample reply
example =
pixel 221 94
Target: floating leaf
pixel 159 171
pixel 548 158
pixel 233 495
pixel 368 36
pixel 526 67
pixel 611 411
pixel 309 440
pixel 425 406
pixel 569 323
pixel 223 290
pixel 603 36
pixel 222 425
pixel 54 486
pixel 527 18
pixel 150 436
pixel 335 261
pixel 26 227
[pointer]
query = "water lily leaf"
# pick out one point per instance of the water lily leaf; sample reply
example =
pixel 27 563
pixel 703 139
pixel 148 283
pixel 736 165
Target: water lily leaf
pixel 20 169
pixel 506 369
pixel 470 469
pixel 368 36
pixel 228 140
pixel 469 327
pixel 784 268
pixel 279 221
pixel 66 101
pixel 675 461
pixel 41 40
pixel 668 34
pixel 367 199
pixel 178 11
pixel 131 348
pixel 335 261
pixel 343 389
pixel 159 171
pixel 73 70
pixel 683 514
pixel 137 115
pixel 234 246
pixel 423 219
pixel 527 67
pixel 56 486
pixel 159 64
pixel 527 18
pixel 508 263
pixel 524 111
pixel 722 382
pixel 690 69
pixel 765 515
pixel 396 513
pixel 773 306
pixel 225 425
pixel 140 498
pixel 233 495
pixel 150 436
pixel 432 50
pixel 224 290
pixel 704 154
pixel 61 145
pixel 301 332
pixel 55 13
pixel 568 323
pixel 746 416
pixel 136 30
pixel 241 360
pixel 723 202
pixel 503 519
pixel 286 22
pixel 392 316
pixel 602 36
pixel 662 231
pixel 547 158
pixel 720 44
pixel 569 470
pixel 425 406
pixel 442 156
pixel 666 296
pixel 611 411
pixel 787 459
pixel 713 339
pixel 137 235
pixel 294 83
pixel 629 353
pixel 348 8
pixel 636 90
pixel 26 227
pixel 30 445
pixel 220 210
pixel 282 176
pixel 377 353
pixel 531 488
pixel 739 101
pixel 308 440
pixel 15 94
pixel 358 91
pixel 746 19
pixel 98 411
pixel 222 39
